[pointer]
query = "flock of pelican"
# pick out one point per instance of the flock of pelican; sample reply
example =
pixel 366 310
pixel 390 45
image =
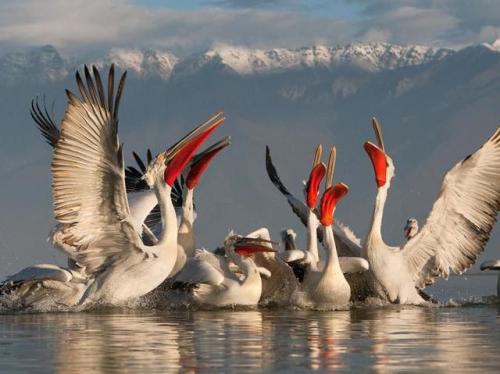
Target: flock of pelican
pixel 128 232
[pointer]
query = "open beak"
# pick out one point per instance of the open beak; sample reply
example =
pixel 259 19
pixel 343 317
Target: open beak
pixel 177 156
pixel 250 246
pixel 317 174
pixel 377 155
pixel 329 200
pixel 201 161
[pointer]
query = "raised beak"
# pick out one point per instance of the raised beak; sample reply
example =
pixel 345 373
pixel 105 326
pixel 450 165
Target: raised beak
pixel 250 246
pixel 201 161
pixel 315 177
pixel 329 200
pixel 177 156
pixel 379 162
pixel 377 155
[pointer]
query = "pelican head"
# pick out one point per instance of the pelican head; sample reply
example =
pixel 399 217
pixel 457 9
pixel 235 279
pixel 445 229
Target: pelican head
pixel 411 228
pixel 200 162
pixel 382 163
pixel 170 163
pixel 332 194
pixel 288 237
pixel 317 174
pixel 245 246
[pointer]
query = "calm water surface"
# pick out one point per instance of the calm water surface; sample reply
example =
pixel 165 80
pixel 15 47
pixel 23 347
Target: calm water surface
pixel 376 339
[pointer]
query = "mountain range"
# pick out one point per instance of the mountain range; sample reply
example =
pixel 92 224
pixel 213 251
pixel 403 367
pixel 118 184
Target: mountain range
pixel 435 106
pixel 47 63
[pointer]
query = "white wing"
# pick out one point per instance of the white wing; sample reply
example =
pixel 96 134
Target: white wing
pixel 347 243
pixel 204 267
pixel 353 264
pixel 88 178
pixel 461 219
pixel 295 255
pixel 41 272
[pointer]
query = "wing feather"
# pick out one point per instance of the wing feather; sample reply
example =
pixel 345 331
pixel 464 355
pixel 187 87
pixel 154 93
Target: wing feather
pixel 44 122
pixel 89 181
pixel 461 219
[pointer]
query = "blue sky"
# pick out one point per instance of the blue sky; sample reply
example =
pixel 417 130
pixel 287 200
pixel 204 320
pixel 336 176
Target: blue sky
pixel 186 26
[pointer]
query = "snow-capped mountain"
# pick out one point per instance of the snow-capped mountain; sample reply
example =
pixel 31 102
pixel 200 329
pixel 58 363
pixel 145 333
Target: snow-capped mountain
pixel 46 63
pixel 367 56
pixel 143 62
pixel 43 63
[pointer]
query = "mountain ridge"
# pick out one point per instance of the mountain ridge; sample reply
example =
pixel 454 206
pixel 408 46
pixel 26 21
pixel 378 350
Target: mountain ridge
pixel 46 63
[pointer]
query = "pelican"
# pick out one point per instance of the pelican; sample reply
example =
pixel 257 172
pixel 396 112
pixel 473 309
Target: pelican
pixel 142 200
pixel 212 280
pixel 411 228
pixel 456 230
pixel 90 203
pixel 279 282
pixel 325 287
pixel 350 261
pixel 493 265
pixel 347 242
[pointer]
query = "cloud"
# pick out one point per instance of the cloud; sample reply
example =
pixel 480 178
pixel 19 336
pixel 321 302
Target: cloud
pixel 249 3
pixel 439 22
pixel 81 25
pixel 84 23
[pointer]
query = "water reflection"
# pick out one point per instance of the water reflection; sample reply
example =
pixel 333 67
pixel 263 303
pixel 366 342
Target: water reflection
pixel 381 340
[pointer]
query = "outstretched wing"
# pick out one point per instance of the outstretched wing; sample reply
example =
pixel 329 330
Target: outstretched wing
pixel 88 177
pixel 346 242
pixel 44 122
pixel 461 219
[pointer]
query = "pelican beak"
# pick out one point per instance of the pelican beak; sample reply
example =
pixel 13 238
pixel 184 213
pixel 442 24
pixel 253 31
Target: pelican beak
pixel 377 155
pixel 317 174
pixel 329 200
pixel 249 246
pixel 177 156
pixel 200 161
pixel 379 162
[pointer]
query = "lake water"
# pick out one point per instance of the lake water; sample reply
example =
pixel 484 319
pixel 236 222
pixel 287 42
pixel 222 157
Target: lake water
pixel 459 336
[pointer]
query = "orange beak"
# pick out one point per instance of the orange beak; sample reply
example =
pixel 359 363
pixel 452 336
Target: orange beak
pixel 201 161
pixel 186 152
pixel 379 162
pixel 329 200
pixel 250 249
pixel 315 178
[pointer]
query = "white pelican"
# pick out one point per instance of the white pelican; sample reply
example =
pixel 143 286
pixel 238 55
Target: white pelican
pixel 456 230
pixel 213 280
pixel 143 203
pixel 347 242
pixel 327 287
pixel 493 265
pixel 278 280
pixel 183 201
pixel 411 228
pixel 350 261
pixel 90 203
